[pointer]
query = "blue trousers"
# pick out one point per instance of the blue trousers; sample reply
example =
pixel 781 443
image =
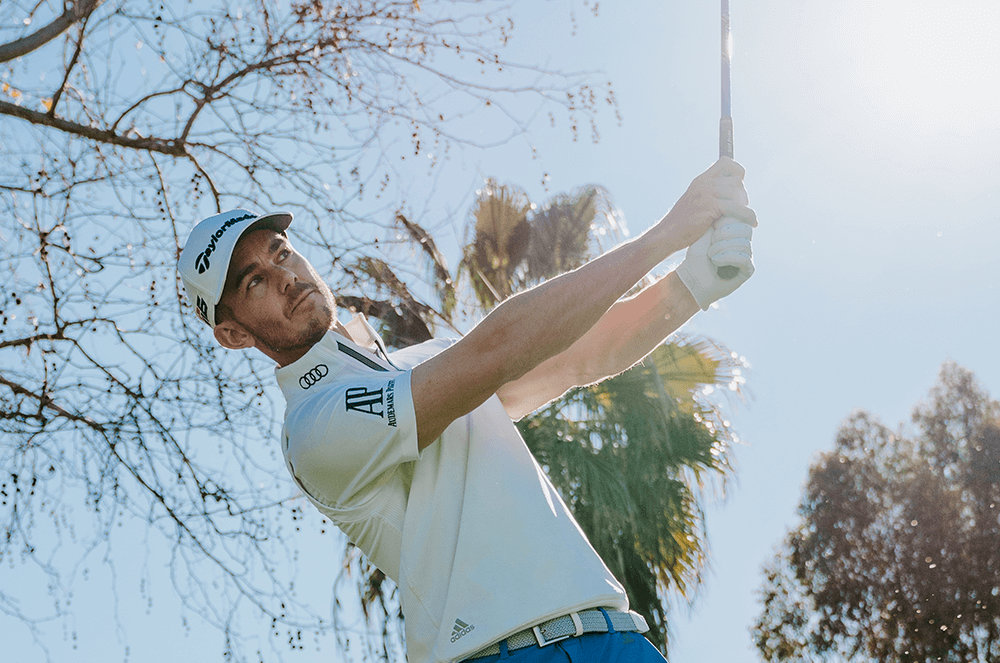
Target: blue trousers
pixel 589 648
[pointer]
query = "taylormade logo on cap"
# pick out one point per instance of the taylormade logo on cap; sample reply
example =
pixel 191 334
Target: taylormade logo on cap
pixel 202 263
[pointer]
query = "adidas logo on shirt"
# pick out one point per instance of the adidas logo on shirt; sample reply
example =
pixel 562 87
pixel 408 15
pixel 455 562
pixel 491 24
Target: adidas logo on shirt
pixel 461 628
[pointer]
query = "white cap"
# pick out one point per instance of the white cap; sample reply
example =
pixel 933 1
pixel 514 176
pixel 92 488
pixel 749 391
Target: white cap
pixel 204 261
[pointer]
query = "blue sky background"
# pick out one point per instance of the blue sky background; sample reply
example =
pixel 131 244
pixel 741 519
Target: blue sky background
pixel 869 132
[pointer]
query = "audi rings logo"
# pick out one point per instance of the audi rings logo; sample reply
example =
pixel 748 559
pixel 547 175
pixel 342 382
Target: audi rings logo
pixel 314 375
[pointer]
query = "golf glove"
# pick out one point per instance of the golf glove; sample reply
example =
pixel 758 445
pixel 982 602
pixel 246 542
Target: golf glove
pixel 727 243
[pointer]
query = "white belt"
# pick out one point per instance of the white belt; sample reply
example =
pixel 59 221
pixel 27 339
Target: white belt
pixel 568 626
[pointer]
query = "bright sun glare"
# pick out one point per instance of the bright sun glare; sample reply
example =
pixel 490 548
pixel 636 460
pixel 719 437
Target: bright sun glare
pixel 924 66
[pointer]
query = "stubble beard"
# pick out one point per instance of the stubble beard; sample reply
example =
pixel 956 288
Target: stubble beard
pixel 321 322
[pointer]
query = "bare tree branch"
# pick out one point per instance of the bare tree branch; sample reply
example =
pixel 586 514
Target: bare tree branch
pixel 170 147
pixel 150 116
pixel 75 11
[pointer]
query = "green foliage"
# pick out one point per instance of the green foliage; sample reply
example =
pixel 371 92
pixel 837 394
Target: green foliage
pixel 897 554
pixel 633 464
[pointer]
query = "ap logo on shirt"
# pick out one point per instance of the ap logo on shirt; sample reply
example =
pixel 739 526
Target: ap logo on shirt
pixel 373 401
pixel 360 399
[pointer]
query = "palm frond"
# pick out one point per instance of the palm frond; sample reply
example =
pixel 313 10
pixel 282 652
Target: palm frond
pixel 403 317
pixel 441 277
pixel 501 237
pixel 560 238
pixel 695 362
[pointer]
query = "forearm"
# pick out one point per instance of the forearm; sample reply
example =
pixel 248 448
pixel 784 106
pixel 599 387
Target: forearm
pixel 626 333
pixel 631 329
pixel 540 323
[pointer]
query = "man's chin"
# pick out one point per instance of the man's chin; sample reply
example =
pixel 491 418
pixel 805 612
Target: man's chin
pixel 318 326
pixel 313 333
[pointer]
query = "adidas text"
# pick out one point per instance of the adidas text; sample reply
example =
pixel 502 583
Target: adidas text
pixel 461 628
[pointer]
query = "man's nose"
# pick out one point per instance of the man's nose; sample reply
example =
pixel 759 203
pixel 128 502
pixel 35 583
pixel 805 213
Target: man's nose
pixel 286 277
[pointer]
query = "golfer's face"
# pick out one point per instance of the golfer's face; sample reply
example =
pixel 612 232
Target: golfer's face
pixel 275 293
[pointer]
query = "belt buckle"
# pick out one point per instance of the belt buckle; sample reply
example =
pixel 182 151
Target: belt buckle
pixel 541 638
pixel 577 628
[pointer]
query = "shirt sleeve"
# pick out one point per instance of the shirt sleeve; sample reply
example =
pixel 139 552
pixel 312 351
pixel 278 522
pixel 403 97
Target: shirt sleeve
pixel 349 433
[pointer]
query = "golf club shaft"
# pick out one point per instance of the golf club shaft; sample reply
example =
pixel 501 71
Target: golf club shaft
pixel 726 122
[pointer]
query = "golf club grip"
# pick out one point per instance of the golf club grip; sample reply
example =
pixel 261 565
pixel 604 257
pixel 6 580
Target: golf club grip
pixel 726 149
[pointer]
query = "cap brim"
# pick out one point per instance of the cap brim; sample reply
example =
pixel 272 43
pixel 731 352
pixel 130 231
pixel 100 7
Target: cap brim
pixel 277 221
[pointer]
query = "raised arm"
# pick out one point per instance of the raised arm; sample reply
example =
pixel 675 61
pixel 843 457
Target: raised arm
pixel 539 324
pixel 629 331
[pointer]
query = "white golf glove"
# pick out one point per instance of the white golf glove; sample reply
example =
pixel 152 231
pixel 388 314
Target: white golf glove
pixel 727 243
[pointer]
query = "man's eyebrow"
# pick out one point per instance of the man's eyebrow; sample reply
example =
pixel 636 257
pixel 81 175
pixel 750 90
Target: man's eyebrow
pixel 237 279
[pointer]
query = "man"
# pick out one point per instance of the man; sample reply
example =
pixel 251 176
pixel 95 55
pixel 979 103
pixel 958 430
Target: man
pixel 414 454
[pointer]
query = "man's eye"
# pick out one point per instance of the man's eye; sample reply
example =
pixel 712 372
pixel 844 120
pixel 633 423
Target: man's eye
pixel 253 281
pixel 284 254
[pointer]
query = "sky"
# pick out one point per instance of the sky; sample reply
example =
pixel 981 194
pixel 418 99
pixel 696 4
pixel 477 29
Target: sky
pixel 870 137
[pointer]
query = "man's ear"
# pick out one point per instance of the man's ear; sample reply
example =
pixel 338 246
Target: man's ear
pixel 231 334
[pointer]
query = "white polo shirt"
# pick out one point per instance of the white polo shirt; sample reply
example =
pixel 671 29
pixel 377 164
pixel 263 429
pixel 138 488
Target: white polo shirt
pixel 471 530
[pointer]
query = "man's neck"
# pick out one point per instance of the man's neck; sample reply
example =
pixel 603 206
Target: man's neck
pixel 285 357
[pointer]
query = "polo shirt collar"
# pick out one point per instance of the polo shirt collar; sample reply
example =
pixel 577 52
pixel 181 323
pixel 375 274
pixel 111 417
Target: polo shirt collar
pixel 335 355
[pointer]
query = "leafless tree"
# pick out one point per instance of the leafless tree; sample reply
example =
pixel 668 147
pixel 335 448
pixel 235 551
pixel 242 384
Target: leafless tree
pixel 121 123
